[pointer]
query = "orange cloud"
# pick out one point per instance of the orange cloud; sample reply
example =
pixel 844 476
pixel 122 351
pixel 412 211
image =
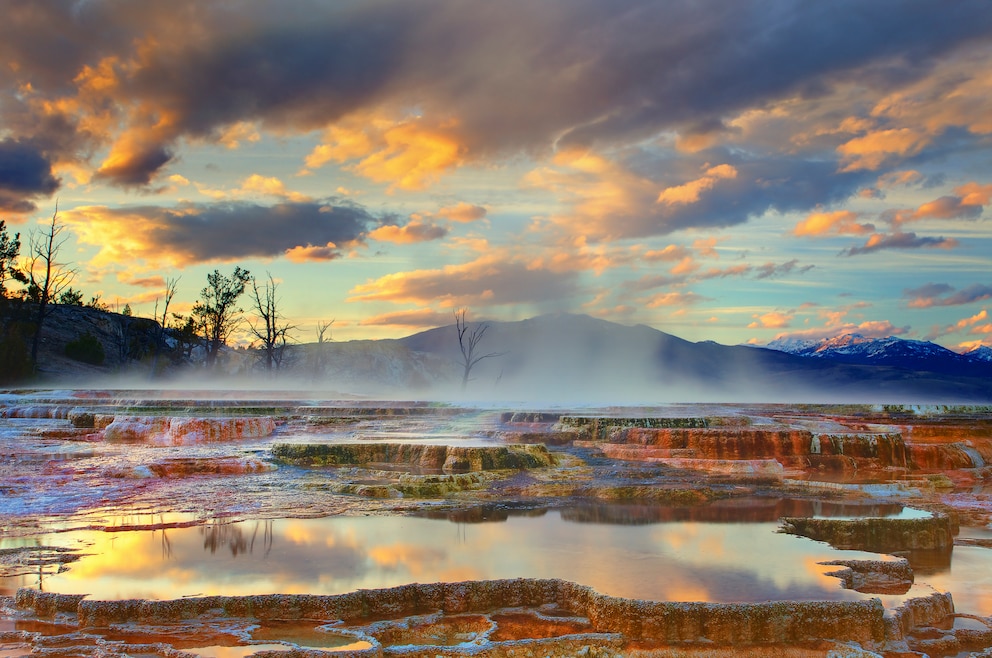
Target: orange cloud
pixel 973 194
pixel 308 253
pixel 874 149
pixel 963 324
pixel 706 247
pixel 463 213
pixel 598 189
pixel 771 320
pixel 691 191
pixel 670 253
pixel 496 277
pixel 899 178
pixel 685 266
pixel 839 222
pixel 242 131
pixel 674 299
pixel 269 185
pixel 156 281
pixel 408 234
pixel 407 154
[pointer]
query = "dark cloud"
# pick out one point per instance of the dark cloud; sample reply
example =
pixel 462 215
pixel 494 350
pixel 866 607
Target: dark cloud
pixel 769 270
pixel 241 230
pixel 137 169
pixel 230 231
pixel 927 290
pixel 938 294
pixel 518 75
pixel 25 172
pixel 908 240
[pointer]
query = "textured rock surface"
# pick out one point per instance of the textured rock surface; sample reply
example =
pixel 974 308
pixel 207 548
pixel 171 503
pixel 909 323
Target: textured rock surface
pixel 598 618
pixel 440 458
pixel 879 535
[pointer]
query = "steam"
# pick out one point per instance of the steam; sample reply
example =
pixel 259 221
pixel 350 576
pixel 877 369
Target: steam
pixel 551 361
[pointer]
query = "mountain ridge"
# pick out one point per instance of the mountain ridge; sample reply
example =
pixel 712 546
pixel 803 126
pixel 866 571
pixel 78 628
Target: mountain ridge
pixel 561 357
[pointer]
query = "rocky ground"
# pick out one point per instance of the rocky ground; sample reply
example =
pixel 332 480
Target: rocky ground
pixel 282 457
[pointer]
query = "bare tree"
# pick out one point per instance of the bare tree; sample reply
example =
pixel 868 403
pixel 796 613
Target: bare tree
pixel 268 327
pixel 318 358
pixel 47 277
pixel 317 362
pixel 170 292
pixel 216 311
pixel 468 343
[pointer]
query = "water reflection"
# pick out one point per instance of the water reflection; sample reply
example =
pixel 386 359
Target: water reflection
pixel 677 560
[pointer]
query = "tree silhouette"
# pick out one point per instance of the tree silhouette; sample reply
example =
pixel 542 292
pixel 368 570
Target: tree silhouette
pixel 468 344
pixel 216 311
pixel 267 327
pixel 47 278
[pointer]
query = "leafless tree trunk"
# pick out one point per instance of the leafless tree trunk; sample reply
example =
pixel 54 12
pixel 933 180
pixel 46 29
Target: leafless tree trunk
pixel 318 358
pixel 46 276
pixel 267 328
pixel 468 343
pixel 170 292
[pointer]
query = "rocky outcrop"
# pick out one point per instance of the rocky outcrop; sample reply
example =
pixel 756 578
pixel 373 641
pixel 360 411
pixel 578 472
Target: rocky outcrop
pixel 180 431
pixel 878 535
pixel 436 458
pixel 610 617
pixel 874 576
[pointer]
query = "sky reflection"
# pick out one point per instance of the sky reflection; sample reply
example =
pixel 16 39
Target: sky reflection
pixel 677 561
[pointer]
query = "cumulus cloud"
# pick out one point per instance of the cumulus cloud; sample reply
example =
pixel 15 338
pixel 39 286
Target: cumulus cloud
pixel 942 294
pixel 199 233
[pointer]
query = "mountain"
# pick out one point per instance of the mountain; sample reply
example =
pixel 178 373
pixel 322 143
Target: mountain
pixel 890 351
pixel 556 359
pixel 980 353
pixel 565 356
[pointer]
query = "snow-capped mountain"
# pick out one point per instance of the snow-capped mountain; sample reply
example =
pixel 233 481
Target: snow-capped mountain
pixel 891 351
pixel 980 353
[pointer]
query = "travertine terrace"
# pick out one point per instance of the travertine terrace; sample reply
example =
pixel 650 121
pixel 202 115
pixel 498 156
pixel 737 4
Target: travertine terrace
pixel 70 460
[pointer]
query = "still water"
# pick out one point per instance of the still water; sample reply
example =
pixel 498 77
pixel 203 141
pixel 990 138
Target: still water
pixel 674 561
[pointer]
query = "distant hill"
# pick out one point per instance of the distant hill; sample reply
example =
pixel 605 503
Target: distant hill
pixel 549 359
pixel 563 356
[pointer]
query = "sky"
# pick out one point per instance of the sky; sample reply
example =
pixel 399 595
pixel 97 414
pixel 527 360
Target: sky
pixel 727 170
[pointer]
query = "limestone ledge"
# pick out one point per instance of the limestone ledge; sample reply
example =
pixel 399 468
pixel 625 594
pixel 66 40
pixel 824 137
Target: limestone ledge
pixel 878 535
pixel 865 623
pixel 442 458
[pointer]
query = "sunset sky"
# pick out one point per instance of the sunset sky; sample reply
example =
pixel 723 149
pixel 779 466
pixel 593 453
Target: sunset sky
pixel 720 170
